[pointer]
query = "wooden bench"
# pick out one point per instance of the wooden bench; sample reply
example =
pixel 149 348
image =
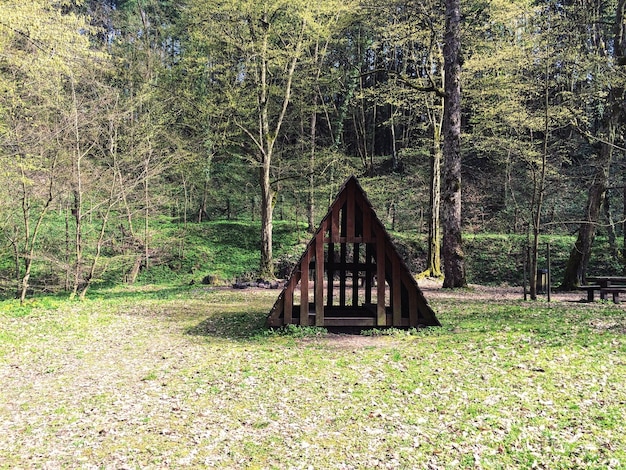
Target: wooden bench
pixel 613 285
pixel 614 290
pixel 590 290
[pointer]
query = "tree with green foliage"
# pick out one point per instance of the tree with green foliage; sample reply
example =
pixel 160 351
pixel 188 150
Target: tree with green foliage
pixel 45 50
pixel 407 92
pixel 145 44
pixel 253 51
pixel 604 35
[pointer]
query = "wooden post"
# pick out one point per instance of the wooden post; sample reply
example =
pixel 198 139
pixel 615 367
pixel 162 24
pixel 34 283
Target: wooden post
pixel 304 289
pixel 413 314
pixel 331 273
pixel 396 291
pixel 289 303
pixel 381 312
pixel 319 279
pixel 367 223
pixel 368 273
pixel 334 224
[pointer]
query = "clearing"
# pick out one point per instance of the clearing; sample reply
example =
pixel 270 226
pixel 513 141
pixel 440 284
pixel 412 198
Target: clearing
pixel 190 378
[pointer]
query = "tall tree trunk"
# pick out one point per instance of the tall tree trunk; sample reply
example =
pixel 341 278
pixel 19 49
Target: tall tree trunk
pixel 30 238
pixel 313 143
pixel 266 268
pixel 202 212
pixel 77 209
pixel 266 141
pixel 452 250
pixel 610 227
pixel 539 186
pixel 434 226
pixel 576 267
pixel 78 241
pixel 433 268
pixel 624 234
pixel 146 196
pixel 96 258
pixel 68 251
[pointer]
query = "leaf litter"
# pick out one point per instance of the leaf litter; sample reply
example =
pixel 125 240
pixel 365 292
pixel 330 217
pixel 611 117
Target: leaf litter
pixel 125 385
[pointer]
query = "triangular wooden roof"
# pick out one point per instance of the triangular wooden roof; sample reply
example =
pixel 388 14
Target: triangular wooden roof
pixel 351 274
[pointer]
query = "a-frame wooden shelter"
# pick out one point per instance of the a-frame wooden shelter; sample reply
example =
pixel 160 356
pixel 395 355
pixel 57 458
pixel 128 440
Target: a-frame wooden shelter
pixel 351 275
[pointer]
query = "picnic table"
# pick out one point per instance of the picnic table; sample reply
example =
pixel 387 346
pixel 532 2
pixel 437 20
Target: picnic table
pixel 614 285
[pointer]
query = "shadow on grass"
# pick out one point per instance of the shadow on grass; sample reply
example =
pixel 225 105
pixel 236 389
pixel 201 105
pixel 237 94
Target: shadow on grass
pixel 231 325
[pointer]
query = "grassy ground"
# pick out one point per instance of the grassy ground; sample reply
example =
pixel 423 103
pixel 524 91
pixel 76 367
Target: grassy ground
pixel 172 378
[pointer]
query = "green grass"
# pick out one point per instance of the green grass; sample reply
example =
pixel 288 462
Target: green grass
pixel 191 378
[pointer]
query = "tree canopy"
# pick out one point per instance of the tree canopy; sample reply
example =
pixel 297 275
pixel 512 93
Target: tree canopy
pixel 116 113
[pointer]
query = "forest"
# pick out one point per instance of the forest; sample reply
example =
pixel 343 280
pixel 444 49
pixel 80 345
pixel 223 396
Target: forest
pixel 128 124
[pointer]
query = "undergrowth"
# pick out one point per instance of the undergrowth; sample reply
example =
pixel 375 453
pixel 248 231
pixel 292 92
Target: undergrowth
pixel 221 252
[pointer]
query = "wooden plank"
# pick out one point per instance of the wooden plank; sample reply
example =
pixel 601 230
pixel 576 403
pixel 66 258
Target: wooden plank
pixel 288 305
pixel 350 321
pixel 350 219
pixel 396 285
pixel 331 274
pixel 334 224
pixel 349 266
pixel 367 223
pixel 354 239
pixel 304 289
pixel 275 319
pixel 319 279
pixel 615 291
pixel 355 275
pixel 343 230
pixel 342 274
pixel 368 272
pixel 380 279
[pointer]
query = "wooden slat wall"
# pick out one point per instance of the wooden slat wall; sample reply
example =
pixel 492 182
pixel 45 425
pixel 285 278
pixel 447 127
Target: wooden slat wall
pixel 351 220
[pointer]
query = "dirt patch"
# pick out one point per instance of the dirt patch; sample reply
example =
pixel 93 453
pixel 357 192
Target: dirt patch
pixel 433 289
